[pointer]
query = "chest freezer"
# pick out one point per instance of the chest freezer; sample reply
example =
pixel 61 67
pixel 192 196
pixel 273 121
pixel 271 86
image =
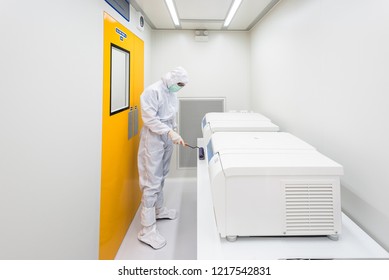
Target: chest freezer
pixel 236 126
pixel 225 117
pixel 229 116
pixel 251 142
pixel 220 121
pixel 275 193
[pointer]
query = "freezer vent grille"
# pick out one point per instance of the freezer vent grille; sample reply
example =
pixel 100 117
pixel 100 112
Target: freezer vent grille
pixel 309 208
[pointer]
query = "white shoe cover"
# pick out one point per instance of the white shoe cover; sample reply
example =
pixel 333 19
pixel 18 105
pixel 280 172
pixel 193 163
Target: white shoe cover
pixel 164 213
pixel 151 236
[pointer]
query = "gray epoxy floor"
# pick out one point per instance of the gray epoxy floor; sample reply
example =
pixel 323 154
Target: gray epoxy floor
pixel 181 234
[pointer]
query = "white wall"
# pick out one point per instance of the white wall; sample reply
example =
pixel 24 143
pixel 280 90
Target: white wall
pixel 50 125
pixel 217 68
pixel 319 70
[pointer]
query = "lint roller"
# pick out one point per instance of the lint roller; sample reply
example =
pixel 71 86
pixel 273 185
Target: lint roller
pixel 201 150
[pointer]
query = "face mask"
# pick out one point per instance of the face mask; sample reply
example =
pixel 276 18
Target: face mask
pixel 174 88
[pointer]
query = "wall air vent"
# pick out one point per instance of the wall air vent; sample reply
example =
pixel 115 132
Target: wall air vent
pixel 190 116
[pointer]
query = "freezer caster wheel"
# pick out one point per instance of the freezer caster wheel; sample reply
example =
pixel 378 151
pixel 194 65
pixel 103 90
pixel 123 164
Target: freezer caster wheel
pixel 231 238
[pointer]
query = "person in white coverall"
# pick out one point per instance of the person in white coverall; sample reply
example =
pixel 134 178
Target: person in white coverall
pixel 159 106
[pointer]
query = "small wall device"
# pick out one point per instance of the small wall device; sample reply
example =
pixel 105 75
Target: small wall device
pixel 140 21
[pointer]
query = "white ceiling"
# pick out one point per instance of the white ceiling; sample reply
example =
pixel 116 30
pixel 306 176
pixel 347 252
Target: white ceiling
pixel 203 14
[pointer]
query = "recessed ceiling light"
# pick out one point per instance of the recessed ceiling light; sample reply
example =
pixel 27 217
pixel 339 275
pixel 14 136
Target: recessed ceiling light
pixel 232 12
pixel 173 12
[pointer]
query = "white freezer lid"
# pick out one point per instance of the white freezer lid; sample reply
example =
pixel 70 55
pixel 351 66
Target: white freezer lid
pixel 213 116
pixel 243 125
pixel 278 163
pixel 257 140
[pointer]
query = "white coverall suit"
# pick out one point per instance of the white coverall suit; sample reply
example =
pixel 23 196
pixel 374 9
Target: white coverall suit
pixel 159 107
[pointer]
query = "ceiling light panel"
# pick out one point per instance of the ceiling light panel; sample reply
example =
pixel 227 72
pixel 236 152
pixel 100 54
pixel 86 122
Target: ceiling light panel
pixel 247 13
pixel 173 12
pixel 232 12
pixel 203 9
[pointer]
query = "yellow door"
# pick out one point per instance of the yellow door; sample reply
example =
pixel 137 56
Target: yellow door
pixel 120 194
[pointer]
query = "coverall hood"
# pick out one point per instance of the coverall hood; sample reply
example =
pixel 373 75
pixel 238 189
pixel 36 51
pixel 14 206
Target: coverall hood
pixel 178 75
